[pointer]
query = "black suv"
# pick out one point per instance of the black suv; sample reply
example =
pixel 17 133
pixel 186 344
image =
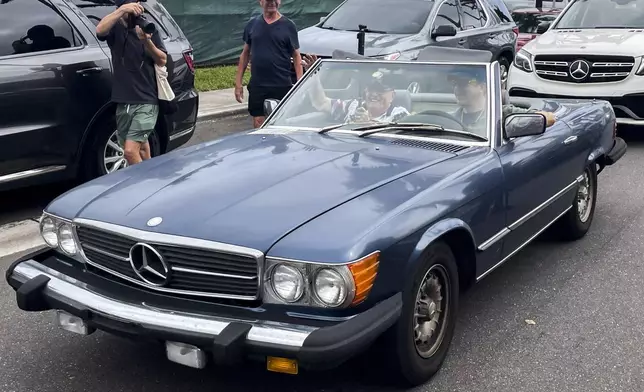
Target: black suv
pixel 399 29
pixel 56 118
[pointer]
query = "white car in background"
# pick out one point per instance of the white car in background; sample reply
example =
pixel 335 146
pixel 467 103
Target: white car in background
pixel 594 49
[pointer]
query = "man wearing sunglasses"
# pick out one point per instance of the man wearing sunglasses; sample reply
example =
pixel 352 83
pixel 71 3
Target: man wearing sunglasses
pixel 470 90
pixel 377 103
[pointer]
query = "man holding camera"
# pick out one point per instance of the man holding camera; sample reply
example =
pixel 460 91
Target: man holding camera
pixel 134 85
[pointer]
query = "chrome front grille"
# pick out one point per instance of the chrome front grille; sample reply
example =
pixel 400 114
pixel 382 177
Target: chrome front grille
pixel 583 68
pixel 192 271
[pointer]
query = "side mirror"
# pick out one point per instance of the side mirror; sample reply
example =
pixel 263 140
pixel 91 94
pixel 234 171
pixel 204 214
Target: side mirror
pixel 524 124
pixel 444 31
pixel 543 27
pixel 269 106
pixel 322 19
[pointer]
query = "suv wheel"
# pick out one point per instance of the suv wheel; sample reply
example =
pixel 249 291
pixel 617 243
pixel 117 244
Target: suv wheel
pixel 104 155
pixel 504 65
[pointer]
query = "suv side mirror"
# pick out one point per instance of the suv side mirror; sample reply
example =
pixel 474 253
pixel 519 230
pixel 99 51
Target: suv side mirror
pixel 270 105
pixel 543 27
pixel 524 124
pixel 444 31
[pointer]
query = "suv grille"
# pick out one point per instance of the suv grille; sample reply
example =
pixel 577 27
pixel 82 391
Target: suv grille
pixel 193 271
pixel 583 68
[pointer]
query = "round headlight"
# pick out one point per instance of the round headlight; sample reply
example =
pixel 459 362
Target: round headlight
pixel 66 239
pixel 288 283
pixel 330 287
pixel 49 232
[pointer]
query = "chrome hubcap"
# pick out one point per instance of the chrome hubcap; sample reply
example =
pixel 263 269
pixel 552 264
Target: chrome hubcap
pixel 113 155
pixel 432 304
pixel 584 198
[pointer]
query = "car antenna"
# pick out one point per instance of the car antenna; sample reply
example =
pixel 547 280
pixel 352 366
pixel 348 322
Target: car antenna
pixel 361 33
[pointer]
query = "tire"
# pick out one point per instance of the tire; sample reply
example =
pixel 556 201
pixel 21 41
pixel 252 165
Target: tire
pixel 104 155
pixel 577 221
pixel 504 64
pixel 416 364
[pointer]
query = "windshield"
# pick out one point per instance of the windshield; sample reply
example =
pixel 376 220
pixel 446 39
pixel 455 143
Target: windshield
pixel 529 21
pixel 390 16
pixel 451 97
pixel 593 14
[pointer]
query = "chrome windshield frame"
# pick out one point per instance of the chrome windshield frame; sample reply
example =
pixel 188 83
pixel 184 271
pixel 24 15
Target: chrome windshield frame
pixel 491 98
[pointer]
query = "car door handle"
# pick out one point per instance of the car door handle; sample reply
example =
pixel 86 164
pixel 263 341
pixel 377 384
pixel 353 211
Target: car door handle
pixel 462 41
pixel 493 35
pixel 570 140
pixel 88 71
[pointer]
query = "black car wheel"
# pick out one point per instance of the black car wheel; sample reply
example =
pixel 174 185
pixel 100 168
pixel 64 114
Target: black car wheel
pixel 105 155
pixel 576 222
pixel 420 340
pixel 504 65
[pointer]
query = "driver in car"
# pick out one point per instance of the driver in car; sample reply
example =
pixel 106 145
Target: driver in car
pixel 470 92
pixel 376 105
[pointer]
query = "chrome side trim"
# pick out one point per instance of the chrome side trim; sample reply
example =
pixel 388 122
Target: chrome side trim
pixel 496 237
pixel 629 121
pixel 542 206
pixel 70 290
pixel 506 230
pixel 31 173
pixel 484 274
pixel 182 133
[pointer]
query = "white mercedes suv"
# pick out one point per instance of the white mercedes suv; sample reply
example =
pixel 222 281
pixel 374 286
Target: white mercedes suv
pixel 594 49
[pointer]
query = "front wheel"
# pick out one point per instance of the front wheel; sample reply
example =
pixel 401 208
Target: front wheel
pixel 418 343
pixel 576 222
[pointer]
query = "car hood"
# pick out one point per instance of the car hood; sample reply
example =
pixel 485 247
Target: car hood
pixel 322 42
pixel 247 190
pixel 601 41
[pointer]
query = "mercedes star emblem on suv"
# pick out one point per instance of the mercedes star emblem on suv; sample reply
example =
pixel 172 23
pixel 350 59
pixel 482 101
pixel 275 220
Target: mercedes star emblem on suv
pixel 579 69
pixel 149 265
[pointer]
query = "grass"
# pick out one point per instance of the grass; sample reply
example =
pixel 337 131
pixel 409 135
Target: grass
pixel 218 78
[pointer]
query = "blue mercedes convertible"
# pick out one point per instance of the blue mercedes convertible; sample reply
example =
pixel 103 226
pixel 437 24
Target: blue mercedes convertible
pixel 374 193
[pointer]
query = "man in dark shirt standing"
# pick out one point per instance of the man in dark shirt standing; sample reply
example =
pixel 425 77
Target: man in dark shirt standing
pixel 134 84
pixel 270 41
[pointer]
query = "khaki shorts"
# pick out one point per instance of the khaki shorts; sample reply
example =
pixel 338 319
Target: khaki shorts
pixel 135 122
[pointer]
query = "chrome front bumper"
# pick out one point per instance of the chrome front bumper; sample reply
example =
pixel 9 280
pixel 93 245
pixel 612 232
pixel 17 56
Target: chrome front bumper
pixel 44 280
pixel 69 290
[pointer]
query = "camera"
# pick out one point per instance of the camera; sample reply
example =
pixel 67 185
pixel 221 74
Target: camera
pixel 145 25
pixel 141 21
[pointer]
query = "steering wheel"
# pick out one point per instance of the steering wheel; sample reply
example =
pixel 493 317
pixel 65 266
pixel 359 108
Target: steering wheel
pixel 437 113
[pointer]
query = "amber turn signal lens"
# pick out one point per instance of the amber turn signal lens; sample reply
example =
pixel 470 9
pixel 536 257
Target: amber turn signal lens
pixel 364 274
pixel 282 365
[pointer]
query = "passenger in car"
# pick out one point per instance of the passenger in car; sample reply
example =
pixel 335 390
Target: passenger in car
pixel 377 104
pixel 470 91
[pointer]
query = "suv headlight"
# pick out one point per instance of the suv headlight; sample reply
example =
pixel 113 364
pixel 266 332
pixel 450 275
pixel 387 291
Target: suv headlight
pixel 58 234
pixel 320 284
pixel 523 61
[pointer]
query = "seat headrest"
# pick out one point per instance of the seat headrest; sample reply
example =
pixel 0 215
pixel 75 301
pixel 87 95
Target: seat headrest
pixel 402 98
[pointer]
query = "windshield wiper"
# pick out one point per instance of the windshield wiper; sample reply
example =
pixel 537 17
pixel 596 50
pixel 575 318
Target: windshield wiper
pixel 328 27
pixel 371 129
pixel 374 124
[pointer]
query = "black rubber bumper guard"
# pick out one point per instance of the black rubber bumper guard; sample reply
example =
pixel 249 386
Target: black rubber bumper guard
pixel 324 347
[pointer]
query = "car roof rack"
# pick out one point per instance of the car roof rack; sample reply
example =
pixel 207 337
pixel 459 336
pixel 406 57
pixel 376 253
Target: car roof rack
pixel 454 55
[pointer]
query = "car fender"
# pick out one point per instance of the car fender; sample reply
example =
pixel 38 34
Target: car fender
pixel 433 233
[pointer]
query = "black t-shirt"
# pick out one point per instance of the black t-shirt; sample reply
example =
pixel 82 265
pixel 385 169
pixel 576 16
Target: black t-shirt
pixel 134 80
pixel 271 48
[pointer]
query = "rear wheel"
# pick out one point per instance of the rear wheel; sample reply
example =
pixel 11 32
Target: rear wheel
pixel 104 155
pixel 418 343
pixel 576 222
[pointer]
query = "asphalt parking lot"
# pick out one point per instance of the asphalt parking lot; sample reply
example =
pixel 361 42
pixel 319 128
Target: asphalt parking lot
pixel 584 297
